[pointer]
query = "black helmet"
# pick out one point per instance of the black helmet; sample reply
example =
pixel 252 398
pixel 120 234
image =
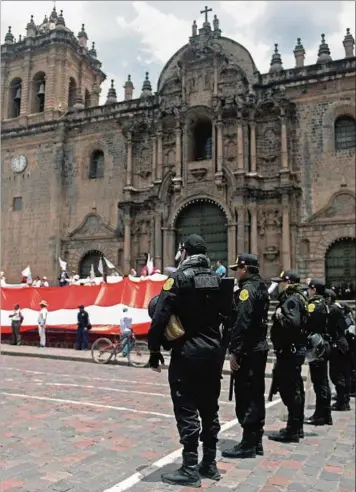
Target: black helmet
pixel 315 347
pixel 152 306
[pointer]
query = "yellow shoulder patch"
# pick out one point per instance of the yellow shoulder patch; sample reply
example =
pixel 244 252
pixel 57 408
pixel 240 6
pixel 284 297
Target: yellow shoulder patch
pixel 311 308
pixel 168 284
pixel 281 274
pixel 243 295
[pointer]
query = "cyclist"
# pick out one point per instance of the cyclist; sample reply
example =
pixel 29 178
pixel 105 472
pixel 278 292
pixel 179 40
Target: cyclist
pixel 125 330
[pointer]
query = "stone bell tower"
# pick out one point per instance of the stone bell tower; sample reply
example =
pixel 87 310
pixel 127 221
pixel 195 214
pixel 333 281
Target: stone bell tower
pixel 48 72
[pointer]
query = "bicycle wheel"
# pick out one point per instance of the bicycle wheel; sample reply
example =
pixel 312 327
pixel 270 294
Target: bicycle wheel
pixel 102 350
pixel 139 354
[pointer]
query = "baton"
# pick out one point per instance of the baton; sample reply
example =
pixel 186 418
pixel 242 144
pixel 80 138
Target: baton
pixel 231 389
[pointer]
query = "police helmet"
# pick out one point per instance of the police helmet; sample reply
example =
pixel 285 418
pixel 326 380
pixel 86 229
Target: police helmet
pixel 194 245
pixel 315 347
pixel 152 306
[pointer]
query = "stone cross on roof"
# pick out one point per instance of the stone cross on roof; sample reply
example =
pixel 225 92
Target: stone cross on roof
pixel 205 11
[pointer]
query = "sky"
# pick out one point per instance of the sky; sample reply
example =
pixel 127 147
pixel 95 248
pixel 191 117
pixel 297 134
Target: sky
pixel 135 37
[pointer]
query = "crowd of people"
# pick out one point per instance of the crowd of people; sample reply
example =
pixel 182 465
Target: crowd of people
pixel 308 324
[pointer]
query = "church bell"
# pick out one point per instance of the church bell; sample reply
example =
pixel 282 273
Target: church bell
pixel 18 94
pixel 41 91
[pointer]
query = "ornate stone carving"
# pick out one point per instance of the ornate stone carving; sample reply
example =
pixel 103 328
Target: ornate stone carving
pixel 269 218
pixel 342 205
pixel 92 226
pixel 199 173
pixel 271 253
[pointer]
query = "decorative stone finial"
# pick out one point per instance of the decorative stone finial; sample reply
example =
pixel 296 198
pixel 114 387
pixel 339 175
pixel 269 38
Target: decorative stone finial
pixel 60 21
pixel 111 99
pixel 146 87
pixel 31 23
pixel 206 23
pixel 299 53
pixel 216 23
pixel 349 44
pixel 83 37
pixel 9 37
pixel 53 17
pixel 129 87
pixel 324 52
pixel 194 28
pixel 45 20
pixel 31 28
pixel 92 51
pixel 20 38
pixel 276 62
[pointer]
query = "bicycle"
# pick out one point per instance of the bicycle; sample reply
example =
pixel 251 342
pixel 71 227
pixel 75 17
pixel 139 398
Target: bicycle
pixel 103 350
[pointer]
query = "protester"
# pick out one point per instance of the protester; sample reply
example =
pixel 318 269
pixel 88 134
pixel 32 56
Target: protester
pixel 63 279
pixel 37 282
pixel 16 322
pixel 42 320
pixel 125 330
pixel 44 282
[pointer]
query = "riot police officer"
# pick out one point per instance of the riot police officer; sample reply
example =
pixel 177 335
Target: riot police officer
pixel 317 323
pixel 248 356
pixel 340 373
pixel 191 295
pixel 288 340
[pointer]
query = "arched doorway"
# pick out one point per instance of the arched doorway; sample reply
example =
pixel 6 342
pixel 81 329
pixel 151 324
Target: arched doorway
pixel 89 259
pixel 207 219
pixel 340 267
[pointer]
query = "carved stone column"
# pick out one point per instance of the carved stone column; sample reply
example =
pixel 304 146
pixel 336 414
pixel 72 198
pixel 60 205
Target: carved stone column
pixel 253 145
pixel 231 242
pixel 177 180
pixel 154 158
pixel 26 89
pixel 129 160
pixel 240 144
pixel 286 257
pixel 219 126
pixel 216 76
pixel 254 237
pixel 158 241
pixel 240 232
pixel 284 143
pixel 168 246
pixel 127 241
pixel 159 153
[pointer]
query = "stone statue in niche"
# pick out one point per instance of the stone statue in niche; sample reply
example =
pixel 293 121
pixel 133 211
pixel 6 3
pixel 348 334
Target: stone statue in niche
pixel 269 219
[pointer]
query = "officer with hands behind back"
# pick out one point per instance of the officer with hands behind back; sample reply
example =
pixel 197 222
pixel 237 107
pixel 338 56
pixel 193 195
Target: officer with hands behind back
pixel 317 326
pixel 186 318
pixel 288 341
pixel 248 349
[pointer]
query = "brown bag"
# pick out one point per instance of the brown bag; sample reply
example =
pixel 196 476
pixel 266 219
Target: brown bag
pixel 174 329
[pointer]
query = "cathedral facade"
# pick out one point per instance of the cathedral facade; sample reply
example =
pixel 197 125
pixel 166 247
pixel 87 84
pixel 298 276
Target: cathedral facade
pixel 257 162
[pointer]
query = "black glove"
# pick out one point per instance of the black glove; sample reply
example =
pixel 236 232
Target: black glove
pixel 155 359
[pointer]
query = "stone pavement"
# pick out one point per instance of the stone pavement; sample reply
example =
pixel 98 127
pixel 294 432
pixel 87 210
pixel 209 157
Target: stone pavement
pixel 71 427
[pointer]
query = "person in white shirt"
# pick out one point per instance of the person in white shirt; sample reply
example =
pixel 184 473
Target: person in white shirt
pixel 2 279
pixel 16 323
pixel 44 282
pixel 42 320
pixel 125 329
pixel 36 282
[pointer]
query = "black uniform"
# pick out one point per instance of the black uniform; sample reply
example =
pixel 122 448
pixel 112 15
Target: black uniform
pixel 287 335
pixel 192 294
pixel 317 323
pixel 339 355
pixel 249 345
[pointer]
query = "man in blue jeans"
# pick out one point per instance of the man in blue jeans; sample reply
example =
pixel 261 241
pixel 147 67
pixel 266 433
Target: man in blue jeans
pixel 82 330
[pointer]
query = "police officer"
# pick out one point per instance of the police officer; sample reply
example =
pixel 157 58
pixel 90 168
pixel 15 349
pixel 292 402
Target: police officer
pixel 340 354
pixel 317 323
pixel 248 356
pixel 288 340
pixel 192 295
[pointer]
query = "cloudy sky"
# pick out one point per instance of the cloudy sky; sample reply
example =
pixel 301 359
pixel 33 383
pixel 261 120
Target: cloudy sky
pixel 135 37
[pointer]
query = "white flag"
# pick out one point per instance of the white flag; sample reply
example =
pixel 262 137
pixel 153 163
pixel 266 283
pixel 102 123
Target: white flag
pixel 109 264
pixel 26 272
pixel 92 273
pixel 179 254
pixel 272 287
pixel 101 266
pixel 149 264
pixel 62 264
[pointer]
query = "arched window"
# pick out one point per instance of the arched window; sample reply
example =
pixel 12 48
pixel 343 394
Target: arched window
pixel 14 106
pixel 72 92
pixel 96 169
pixel 89 261
pixel 201 140
pixel 87 99
pixel 345 133
pixel 38 92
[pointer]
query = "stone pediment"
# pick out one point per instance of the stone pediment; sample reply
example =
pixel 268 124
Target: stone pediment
pixel 341 206
pixel 93 226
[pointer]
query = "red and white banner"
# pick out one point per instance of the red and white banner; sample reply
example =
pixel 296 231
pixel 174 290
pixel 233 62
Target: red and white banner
pixel 103 302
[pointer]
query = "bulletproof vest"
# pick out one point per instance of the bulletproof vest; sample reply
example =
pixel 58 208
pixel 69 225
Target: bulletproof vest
pixel 318 315
pixel 259 317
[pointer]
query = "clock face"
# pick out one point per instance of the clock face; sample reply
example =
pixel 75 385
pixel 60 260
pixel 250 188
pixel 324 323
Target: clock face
pixel 19 163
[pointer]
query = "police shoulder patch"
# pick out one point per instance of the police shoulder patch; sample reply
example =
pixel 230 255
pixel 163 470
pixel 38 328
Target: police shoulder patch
pixel 243 295
pixel 311 308
pixel 168 284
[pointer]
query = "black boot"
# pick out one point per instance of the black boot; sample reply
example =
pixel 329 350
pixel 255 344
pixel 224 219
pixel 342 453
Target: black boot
pixel 300 432
pixel 259 447
pixel 340 407
pixel 286 435
pixel 187 475
pixel 245 449
pixel 207 466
